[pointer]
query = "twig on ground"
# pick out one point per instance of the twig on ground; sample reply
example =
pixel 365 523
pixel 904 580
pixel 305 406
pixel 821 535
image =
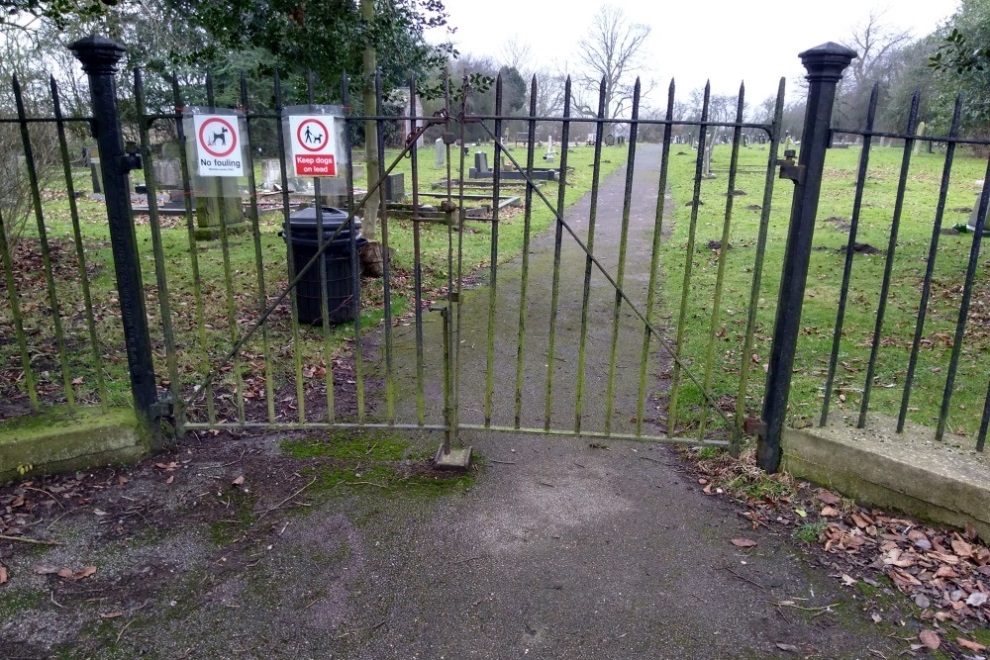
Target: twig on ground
pixel 366 483
pixel 23 539
pixel 467 559
pixel 45 492
pixel 656 460
pixel 744 578
pixel 286 500
pixel 492 460
pixel 51 597
pixel 122 631
pixel 821 609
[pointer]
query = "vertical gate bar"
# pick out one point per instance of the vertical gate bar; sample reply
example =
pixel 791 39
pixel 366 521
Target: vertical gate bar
pixel 889 264
pixel 589 262
pixel 623 244
pixel 448 138
pixel 565 136
pixel 171 358
pixel 825 65
pixel 651 289
pixel 94 339
pixel 30 381
pixel 723 252
pixel 761 248
pixel 227 274
pixel 386 260
pixel 211 414
pixel 981 437
pixel 324 292
pixel 99 58
pixel 527 218
pixel 493 266
pixel 974 256
pixel 926 287
pixel 352 246
pixel 258 258
pixel 46 260
pixel 864 163
pixel 675 379
pixel 461 216
pixel 417 263
pixel 290 252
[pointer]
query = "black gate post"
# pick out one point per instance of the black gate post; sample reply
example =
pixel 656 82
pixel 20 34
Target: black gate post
pixel 99 58
pixel 825 65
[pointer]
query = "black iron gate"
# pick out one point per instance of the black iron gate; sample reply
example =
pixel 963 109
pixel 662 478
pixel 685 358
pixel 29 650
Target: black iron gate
pixel 614 324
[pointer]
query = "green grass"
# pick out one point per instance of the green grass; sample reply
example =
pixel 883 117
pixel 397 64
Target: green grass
pixel 201 348
pixel 824 281
pixel 810 532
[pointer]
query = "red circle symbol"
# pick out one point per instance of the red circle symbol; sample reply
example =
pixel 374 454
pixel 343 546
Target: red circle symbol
pixel 216 134
pixel 315 137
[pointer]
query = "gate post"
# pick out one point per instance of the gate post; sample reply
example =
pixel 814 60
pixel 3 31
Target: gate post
pixel 99 58
pixel 825 65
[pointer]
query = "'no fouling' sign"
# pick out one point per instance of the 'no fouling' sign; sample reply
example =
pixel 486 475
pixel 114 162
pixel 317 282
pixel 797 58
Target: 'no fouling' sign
pixel 314 145
pixel 218 145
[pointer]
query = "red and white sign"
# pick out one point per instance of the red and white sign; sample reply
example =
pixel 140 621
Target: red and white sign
pixel 314 145
pixel 218 145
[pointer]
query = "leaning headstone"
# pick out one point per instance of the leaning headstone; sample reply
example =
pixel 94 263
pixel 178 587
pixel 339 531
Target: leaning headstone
pixel 438 153
pixel 917 143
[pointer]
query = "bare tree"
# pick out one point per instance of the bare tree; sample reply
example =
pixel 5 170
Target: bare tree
pixel 611 51
pixel 880 48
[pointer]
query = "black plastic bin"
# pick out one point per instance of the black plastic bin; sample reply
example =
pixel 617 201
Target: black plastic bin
pixel 342 306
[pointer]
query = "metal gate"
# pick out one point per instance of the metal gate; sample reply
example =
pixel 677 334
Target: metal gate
pixel 585 297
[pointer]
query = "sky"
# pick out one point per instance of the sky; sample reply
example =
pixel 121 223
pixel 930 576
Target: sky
pixel 724 41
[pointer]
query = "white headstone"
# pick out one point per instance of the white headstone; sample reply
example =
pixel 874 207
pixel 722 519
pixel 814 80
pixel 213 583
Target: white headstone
pixel 438 151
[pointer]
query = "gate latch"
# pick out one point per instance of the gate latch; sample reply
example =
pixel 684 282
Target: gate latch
pixel 791 170
pixel 131 160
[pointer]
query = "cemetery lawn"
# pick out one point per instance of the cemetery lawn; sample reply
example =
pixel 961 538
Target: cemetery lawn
pixel 198 351
pixel 824 282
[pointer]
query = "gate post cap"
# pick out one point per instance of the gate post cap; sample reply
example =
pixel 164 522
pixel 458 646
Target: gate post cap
pixel 98 55
pixel 827 62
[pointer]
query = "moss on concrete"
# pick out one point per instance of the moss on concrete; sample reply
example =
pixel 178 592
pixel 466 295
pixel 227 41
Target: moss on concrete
pixel 60 440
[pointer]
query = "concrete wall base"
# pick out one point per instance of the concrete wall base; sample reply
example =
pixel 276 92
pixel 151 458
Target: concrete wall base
pixel 946 482
pixel 57 441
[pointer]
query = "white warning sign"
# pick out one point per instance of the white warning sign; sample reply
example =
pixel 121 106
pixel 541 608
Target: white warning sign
pixel 218 145
pixel 314 145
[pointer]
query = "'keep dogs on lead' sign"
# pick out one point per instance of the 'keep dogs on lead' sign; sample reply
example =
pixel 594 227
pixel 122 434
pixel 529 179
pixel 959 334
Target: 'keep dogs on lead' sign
pixel 314 145
pixel 218 145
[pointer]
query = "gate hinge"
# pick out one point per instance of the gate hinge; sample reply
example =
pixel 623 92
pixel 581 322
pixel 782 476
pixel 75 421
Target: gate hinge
pixel 160 409
pixel 754 426
pixel 791 170
pixel 131 160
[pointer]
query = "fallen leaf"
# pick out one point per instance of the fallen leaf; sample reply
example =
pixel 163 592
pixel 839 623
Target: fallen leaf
pixel 801 512
pixel 788 647
pixel 930 639
pixel 972 646
pixel 977 599
pixel 68 573
pixel 876 618
pixel 961 548
pixel 743 543
pixel 44 569
pixel 829 498
pixel 848 580
pixel 830 512
pixel 946 572
pixel 3 575
pixel 170 479
pixel 238 481
pixel 168 467
pixel 111 615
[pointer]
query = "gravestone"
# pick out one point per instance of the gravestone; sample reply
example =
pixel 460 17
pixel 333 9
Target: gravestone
pixel 975 213
pixel 480 168
pixel 167 174
pixel 917 143
pixel 550 153
pixel 745 140
pixel 438 153
pixel 271 172
pixel 171 150
pixel 395 187
pixel 218 203
pixel 94 170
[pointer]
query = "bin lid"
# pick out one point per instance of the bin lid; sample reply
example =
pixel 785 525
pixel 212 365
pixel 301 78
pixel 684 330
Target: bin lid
pixel 332 218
